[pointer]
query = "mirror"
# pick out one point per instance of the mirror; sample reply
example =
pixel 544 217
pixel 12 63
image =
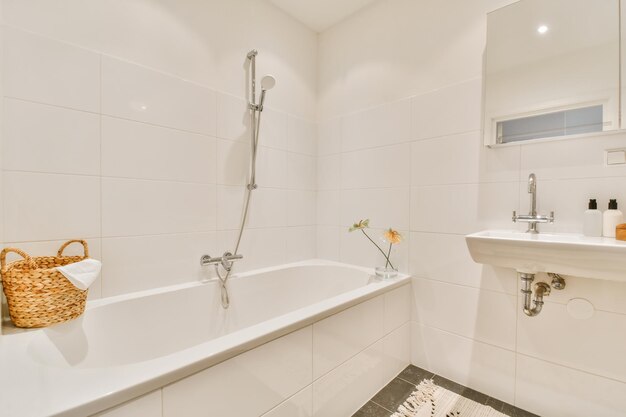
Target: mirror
pixel 551 70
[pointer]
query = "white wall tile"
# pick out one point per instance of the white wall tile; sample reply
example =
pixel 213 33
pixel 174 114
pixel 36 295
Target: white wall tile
pixel 463 208
pixel 300 405
pixel 302 136
pixel 138 150
pixel 270 374
pixel 343 335
pixel 141 207
pixel 376 168
pixel 230 204
pixel 445 257
pixel 50 206
pixel 329 137
pixel 328 207
pixel 40 69
pixel 328 242
pixel 551 335
pixel 397 308
pixel 577 158
pixel 447 111
pixel 43 138
pixel 148 405
pixel 260 247
pixel 301 171
pixel 145 262
pixel 551 390
pixel 233 118
pixel 484 367
pixel 272 168
pixel 383 125
pixel 385 207
pixel 466 311
pixel 233 162
pixel 301 208
pixel 302 241
pixel 273 131
pixel 138 93
pixel 462 159
pixel 329 172
pixel 268 207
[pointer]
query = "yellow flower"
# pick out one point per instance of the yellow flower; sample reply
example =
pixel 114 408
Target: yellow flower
pixel 392 236
pixel 362 224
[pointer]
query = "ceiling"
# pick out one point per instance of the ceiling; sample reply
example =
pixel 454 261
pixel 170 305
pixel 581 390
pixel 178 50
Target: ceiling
pixel 319 15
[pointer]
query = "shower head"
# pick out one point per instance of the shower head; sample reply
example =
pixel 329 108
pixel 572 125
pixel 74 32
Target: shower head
pixel 268 82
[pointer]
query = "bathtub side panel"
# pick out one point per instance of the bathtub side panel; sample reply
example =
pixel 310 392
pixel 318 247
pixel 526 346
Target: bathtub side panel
pixel 247 385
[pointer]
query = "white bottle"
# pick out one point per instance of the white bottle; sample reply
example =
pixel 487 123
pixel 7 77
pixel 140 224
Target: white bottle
pixel 611 218
pixel 593 222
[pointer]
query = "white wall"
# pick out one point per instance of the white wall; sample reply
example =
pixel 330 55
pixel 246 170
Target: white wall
pixel 125 123
pixel 400 142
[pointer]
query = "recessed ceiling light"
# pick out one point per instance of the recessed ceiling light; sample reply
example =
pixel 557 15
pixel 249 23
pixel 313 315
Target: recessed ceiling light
pixel 542 29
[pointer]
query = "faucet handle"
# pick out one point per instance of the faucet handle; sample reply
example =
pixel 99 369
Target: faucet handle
pixel 551 217
pixel 514 216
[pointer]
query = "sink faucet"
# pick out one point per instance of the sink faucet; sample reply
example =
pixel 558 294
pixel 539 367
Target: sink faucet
pixel 532 190
pixel 533 219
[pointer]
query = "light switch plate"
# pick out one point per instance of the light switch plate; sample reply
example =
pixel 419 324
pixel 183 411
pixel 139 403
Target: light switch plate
pixel 616 156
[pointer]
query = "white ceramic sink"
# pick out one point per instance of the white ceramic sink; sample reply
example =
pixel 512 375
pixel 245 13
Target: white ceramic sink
pixel 567 254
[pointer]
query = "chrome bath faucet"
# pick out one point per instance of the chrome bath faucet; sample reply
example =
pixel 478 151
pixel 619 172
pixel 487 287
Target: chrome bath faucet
pixel 533 219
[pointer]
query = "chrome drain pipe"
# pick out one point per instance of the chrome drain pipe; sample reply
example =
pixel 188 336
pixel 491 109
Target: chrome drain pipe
pixel 533 307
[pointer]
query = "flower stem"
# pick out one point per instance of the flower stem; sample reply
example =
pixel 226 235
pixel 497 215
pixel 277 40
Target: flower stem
pixel 388 255
pixel 378 247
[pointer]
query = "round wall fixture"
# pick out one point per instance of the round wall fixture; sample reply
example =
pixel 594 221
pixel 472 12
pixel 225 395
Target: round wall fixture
pixel 580 309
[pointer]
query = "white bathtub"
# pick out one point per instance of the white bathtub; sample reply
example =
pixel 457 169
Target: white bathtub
pixel 127 346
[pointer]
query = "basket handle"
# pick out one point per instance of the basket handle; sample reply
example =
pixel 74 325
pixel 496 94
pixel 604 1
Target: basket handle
pixel 3 258
pixel 69 242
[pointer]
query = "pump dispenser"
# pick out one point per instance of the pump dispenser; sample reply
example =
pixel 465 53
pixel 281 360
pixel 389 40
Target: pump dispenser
pixel 611 218
pixel 593 220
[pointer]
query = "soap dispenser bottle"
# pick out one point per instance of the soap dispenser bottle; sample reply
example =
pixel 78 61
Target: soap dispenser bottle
pixel 611 218
pixel 593 223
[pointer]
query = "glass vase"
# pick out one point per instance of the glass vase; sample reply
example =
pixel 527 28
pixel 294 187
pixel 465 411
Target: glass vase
pixel 386 272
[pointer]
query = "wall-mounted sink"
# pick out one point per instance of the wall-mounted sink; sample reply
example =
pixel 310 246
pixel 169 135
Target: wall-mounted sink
pixel 567 254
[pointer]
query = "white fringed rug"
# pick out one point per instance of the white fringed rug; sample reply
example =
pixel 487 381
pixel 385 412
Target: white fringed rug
pixel 431 400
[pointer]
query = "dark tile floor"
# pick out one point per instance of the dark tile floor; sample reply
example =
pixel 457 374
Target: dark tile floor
pixel 387 400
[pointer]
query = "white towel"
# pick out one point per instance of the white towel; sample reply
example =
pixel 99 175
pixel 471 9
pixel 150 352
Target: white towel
pixel 82 274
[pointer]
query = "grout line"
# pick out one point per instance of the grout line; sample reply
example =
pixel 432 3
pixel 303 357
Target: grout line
pixel 383 407
pixel 152 124
pixel 464 337
pixel 466 286
pixel 521 354
pixel 170 181
pixel 101 179
pixel 517 318
pixel 573 369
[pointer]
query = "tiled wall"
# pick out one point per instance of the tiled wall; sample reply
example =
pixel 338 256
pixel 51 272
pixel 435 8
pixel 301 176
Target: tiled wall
pixel 147 159
pixel 330 368
pixel 403 147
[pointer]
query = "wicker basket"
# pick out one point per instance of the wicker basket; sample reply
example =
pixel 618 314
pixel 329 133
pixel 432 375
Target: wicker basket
pixel 37 293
